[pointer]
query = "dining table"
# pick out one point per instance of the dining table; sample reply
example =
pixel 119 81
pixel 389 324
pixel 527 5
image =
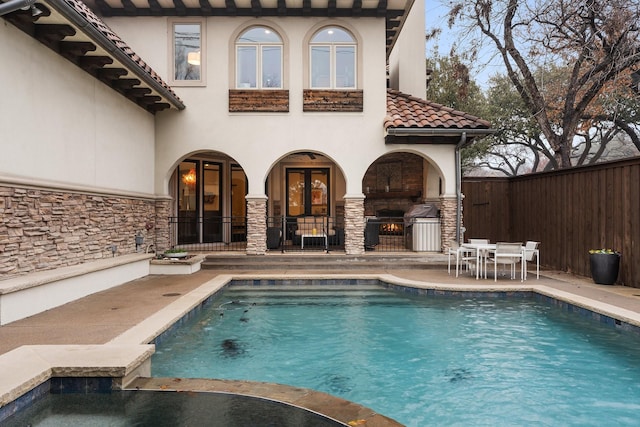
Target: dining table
pixel 483 250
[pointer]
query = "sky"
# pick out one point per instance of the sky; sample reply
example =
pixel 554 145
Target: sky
pixel 436 17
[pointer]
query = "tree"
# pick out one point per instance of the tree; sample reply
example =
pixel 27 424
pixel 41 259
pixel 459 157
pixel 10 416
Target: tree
pixel 595 42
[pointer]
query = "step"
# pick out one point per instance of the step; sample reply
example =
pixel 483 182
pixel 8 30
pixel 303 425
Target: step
pixel 321 262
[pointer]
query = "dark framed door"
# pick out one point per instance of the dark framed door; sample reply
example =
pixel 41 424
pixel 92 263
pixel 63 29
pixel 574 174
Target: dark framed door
pixel 308 192
pixel 212 197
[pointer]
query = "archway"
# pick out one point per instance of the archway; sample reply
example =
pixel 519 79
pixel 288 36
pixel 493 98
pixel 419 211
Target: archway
pixel 402 190
pixel 305 207
pixel 209 207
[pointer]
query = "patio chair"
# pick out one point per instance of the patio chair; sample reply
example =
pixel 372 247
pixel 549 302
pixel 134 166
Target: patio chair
pixel 507 254
pixel 463 257
pixel 479 241
pixel 531 251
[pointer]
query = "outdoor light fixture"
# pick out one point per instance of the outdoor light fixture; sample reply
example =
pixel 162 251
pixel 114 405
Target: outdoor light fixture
pixel 193 58
pixel 189 178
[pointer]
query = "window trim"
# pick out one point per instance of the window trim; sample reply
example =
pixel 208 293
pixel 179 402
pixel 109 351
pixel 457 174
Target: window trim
pixel 172 22
pixel 332 58
pixel 233 61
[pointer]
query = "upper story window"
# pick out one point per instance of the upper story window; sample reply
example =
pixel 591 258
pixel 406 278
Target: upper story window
pixel 333 59
pixel 188 53
pixel 259 59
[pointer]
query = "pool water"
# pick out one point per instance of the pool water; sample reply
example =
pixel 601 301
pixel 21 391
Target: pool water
pixel 420 360
pixel 159 409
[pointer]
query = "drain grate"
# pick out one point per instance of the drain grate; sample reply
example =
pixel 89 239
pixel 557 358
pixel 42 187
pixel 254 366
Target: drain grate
pixel 171 294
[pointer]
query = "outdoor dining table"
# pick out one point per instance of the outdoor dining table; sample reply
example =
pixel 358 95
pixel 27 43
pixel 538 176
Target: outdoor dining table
pixel 483 250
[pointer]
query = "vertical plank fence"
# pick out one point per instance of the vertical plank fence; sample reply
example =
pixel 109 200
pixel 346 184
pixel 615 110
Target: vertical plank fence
pixel 568 211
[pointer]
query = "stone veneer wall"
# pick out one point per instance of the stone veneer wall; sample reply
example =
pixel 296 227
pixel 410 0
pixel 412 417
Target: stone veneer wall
pixel 354 225
pixel 448 207
pixel 256 225
pixel 44 229
pixel 161 224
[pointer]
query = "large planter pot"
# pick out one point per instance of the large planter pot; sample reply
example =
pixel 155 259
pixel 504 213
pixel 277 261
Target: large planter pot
pixel 604 268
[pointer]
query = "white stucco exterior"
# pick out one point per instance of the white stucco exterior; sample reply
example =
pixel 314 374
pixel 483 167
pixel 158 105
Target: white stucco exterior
pixel 61 125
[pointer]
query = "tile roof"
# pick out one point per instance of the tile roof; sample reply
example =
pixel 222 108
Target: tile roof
pixel 88 15
pixel 406 111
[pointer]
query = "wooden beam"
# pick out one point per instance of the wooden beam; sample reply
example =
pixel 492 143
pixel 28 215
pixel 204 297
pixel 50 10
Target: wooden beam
pixel 306 7
pixel 256 7
pixel 357 7
pixel 129 7
pixel 181 9
pixel 107 75
pixel 381 10
pixel 92 63
pixel 206 7
pixel 124 83
pixel 138 92
pixel 103 6
pixel 158 106
pixel 49 34
pixel 331 8
pixel 146 100
pixel 231 7
pixel 74 50
pixel 282 7
pixel 154 6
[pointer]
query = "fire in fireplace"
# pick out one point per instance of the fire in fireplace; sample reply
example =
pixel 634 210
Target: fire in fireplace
pixel 391 222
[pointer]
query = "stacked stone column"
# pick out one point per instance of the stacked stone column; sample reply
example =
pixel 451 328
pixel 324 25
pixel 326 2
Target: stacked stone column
pixel 256 225
pixel 161 230
pixel 354 225
pixel 448 208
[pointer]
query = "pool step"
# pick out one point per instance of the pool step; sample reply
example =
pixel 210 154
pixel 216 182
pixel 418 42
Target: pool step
pixel 326 262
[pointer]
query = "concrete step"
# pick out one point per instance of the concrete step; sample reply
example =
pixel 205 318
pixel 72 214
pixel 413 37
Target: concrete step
pixel 336 263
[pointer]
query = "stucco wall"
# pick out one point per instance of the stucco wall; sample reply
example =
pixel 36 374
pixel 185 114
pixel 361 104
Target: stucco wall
pixel 61 124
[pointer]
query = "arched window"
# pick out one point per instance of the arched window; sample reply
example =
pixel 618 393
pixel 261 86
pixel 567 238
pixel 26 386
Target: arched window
pixel 259 59
pixel 333 59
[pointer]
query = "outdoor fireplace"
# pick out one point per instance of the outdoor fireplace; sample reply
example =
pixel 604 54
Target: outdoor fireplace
pixel 391 222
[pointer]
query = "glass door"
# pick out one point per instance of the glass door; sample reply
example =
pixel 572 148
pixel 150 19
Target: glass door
pixel 308 192
pixel 212 202
pixel 238 204
pixel 188 202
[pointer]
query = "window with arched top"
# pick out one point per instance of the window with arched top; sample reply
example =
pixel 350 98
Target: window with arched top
pixel 259 59
pixel 332 52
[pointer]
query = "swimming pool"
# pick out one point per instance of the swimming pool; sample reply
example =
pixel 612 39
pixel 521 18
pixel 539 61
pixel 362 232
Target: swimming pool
pixel 158 408
pixel 419 359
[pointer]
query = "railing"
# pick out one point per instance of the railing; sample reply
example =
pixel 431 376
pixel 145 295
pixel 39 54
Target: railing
pixel 209 233
pixel 305 233
pixel 309 233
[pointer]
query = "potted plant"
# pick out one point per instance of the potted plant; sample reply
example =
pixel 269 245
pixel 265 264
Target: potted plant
pixel 175 253
pixel 605 264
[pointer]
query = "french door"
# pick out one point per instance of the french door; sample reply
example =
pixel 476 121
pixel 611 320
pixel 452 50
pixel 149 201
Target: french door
pixel 308 192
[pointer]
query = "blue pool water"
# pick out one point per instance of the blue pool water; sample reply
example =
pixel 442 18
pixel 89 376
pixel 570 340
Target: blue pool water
pixel 420 360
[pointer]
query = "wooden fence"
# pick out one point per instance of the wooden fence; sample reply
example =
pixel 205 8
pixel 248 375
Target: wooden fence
pixel 568 211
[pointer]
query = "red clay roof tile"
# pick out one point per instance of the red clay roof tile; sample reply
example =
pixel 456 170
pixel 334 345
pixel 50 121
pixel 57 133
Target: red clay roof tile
pixel 406 111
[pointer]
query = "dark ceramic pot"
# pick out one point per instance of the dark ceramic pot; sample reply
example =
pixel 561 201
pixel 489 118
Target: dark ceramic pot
pixel 604 268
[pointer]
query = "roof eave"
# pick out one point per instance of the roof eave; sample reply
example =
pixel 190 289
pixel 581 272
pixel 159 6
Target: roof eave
pixel 70 13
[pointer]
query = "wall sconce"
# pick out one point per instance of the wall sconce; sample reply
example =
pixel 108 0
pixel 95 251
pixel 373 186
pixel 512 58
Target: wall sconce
pixel 193 58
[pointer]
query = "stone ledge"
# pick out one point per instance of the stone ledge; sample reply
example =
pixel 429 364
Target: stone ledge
pixel 40 278
pixel 176 266
pixel 33 293
pixel 26 367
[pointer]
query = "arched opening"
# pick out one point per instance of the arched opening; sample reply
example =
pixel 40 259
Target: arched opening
pixel 305 205
pixel 209 206
pixel 402 203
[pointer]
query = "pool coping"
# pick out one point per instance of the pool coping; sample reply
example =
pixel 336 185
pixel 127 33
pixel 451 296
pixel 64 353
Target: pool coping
pixel 127 356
